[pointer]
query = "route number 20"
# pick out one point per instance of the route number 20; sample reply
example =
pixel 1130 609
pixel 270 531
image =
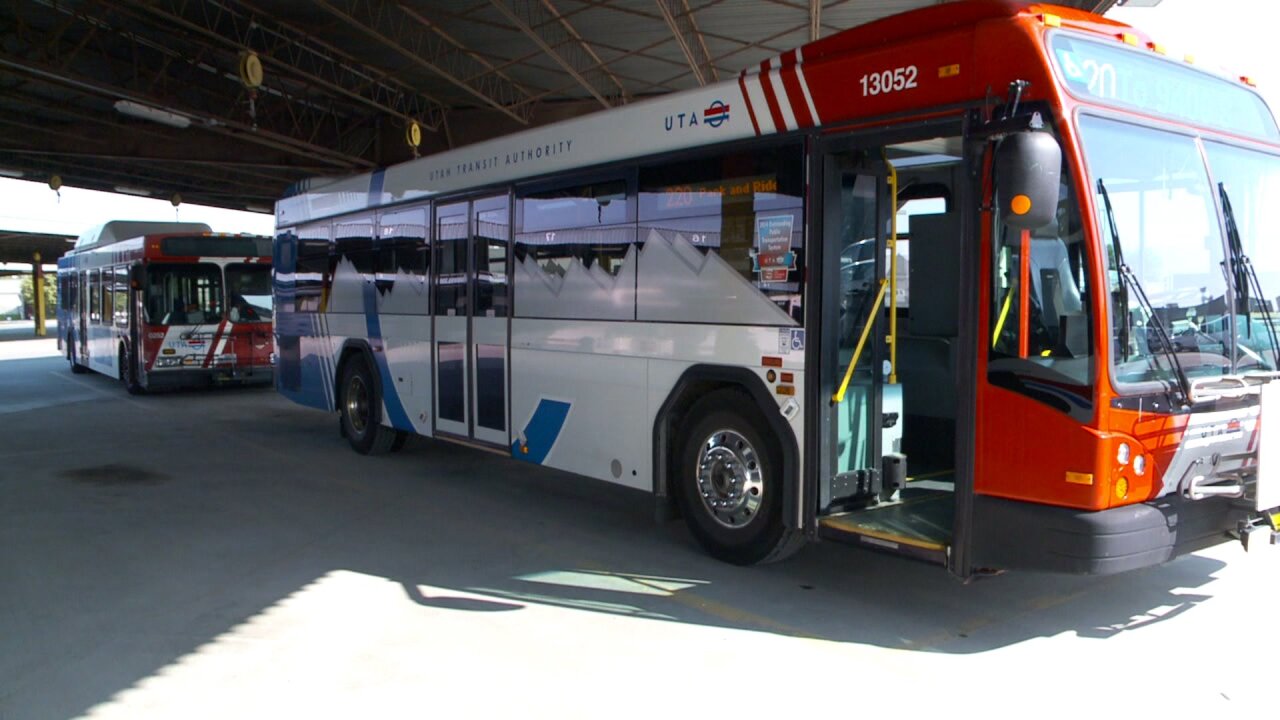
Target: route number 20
pixel 888 81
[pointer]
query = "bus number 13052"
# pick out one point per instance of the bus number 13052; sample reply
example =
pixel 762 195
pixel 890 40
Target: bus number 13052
pixel 888 81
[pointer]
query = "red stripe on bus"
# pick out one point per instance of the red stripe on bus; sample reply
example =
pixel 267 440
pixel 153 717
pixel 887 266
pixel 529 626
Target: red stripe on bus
pixel 775 110
pixel 791 81
pixel 213 346
pixel 742 84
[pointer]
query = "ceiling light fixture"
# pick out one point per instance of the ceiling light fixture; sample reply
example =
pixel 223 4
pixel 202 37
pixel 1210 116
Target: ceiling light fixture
pixel 132 191
pixel 6 172
pixel 154 114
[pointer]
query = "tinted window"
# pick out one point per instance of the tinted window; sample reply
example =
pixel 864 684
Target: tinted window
pixel 248 293
pixel 120 303
pixel 603 203
pixel 450 252
pixel 747 207
pixel 403 262
pixel 313 272
pixel 493 232
pixel 183 294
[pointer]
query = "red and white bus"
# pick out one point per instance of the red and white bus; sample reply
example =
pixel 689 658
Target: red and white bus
pixel 160 305
pixel 990 284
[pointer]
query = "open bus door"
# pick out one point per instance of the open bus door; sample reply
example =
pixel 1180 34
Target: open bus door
pixel 894 422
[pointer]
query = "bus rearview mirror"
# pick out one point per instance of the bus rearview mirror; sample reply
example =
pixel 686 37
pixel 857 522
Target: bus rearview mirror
pixel 1028 166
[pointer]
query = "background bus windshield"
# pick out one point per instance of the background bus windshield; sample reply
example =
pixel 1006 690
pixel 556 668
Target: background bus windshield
pixel 186 294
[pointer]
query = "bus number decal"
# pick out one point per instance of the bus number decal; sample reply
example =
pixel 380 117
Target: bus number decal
pixel 887 81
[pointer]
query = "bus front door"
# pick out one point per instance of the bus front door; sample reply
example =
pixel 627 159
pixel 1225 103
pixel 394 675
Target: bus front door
pixel 854 217
pixel 887 397
pixel 472 304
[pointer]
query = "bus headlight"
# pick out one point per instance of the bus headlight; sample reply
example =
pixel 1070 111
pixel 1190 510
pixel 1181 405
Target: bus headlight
pixel 1122 454
pixel 1140 465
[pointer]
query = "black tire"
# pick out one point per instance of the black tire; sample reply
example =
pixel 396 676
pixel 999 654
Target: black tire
pixel 129 373
pixel 360 408
pixel 729 452
pixel 76 367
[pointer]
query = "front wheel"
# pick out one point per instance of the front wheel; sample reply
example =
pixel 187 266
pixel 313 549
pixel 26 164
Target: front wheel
pixel 731 484
pixel 129 373
pixel 360 407
pixel 76 367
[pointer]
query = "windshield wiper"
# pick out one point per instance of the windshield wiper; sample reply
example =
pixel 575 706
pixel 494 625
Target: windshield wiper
pixel 1130 280
pixel 1245 277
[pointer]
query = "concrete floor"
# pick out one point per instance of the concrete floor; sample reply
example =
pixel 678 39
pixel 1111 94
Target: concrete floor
pixel 224 554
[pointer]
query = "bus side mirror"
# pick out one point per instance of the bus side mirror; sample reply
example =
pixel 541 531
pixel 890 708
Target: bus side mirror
pixel 136 277
pixel 1028 166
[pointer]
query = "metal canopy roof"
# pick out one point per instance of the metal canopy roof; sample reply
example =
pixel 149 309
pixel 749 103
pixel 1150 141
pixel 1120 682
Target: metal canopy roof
pixel 150 95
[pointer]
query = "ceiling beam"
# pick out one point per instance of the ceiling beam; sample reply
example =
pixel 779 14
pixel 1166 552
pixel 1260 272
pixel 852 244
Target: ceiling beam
pixel 239 26
pixel 418 40
pixel 552 32
pixel 815 20
pixel 219 124
pixel 679 19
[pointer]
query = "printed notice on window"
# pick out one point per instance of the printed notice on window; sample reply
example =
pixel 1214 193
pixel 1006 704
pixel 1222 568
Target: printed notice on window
pixel 772 258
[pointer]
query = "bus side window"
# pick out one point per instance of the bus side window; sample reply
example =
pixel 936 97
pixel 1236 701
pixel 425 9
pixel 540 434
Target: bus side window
pixel 1057 295
pixel 312 270
pixel 95 291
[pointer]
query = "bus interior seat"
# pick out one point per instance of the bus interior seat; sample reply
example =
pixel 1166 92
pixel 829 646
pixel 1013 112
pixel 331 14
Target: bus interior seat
pixel 926 342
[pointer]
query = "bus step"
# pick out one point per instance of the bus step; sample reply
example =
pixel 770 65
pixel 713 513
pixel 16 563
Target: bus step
pixel 919 528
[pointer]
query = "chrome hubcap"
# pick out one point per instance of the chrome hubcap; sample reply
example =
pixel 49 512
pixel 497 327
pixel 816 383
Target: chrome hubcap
pixel 730 482
pixel 357 404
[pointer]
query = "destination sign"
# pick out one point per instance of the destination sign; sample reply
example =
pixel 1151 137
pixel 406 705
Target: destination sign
pixel 1115 75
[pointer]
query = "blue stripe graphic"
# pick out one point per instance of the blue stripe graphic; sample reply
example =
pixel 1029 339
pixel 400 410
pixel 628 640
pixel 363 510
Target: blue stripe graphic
pixel 542 431
pixel 375 186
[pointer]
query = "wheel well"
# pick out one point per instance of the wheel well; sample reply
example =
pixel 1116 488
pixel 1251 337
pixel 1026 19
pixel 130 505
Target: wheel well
pixel 695 383
pixel 353 348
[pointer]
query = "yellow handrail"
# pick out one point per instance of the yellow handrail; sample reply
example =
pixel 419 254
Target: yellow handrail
pixel 857 351
pixel 1004 315
pixel 893 273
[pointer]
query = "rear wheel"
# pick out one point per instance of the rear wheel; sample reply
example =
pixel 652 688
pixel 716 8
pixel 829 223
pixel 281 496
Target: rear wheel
pixel 360 407
pixel 74 361
pixel 731 484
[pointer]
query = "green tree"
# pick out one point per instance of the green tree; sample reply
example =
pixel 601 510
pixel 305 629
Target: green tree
pixel 27 290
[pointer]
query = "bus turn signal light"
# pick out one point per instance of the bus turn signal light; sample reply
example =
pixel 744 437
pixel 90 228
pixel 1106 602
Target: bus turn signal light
pixel 1121 488
pixel 1020 204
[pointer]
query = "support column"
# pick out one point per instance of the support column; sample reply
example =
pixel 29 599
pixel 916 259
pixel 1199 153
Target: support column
pixel 37 288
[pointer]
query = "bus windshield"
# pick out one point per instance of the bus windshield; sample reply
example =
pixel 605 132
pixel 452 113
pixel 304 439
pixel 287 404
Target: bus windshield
pixel 1167 233
pixel 1251 181
pixel 183 294
pixel 249 293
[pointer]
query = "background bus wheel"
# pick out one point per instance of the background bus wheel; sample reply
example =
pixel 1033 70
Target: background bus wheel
pixel 76 367
pixel 361 410
pixel 129 374
pixel 730 476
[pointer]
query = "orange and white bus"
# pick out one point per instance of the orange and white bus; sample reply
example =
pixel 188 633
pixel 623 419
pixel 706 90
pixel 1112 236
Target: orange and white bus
pixel 990 284
pixel 162 305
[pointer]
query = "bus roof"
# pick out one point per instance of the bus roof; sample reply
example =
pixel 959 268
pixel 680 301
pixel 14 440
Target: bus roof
pixel 116 230
pixel 770 99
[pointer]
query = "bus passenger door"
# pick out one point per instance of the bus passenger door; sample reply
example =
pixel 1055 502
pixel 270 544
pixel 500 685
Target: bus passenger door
pixel 472 304
pixel 82 334
pixel 855 215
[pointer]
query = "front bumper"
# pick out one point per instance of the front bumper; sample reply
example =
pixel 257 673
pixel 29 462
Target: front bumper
pixel 203 377
pixel 1009 534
